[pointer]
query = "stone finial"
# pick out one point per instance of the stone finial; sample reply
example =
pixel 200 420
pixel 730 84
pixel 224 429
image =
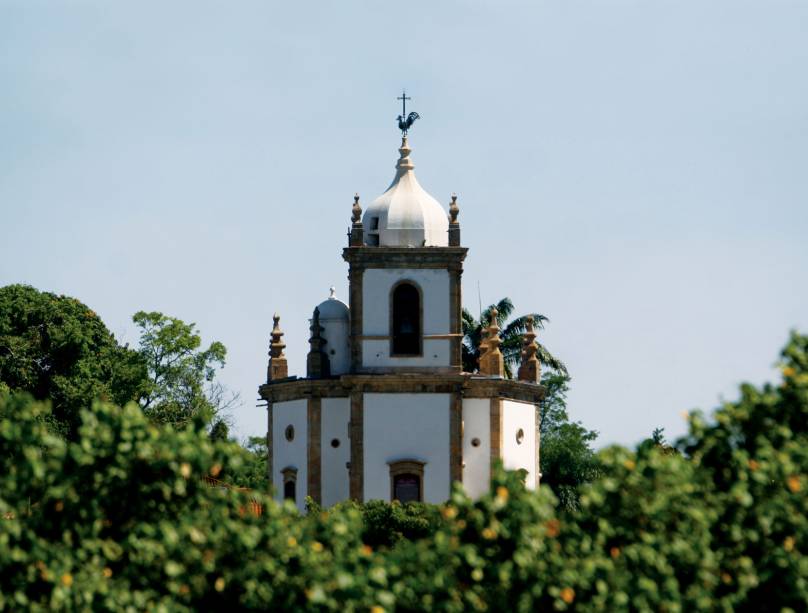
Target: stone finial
pixel 492 362
pixel 530 367
pixel 317 362
pixel 454 209
pixel 454 225
pixel 277 368
pixel 357 229
pixel 356 210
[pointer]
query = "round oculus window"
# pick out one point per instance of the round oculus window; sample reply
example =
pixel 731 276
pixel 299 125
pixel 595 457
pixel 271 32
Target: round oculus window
pixel 475 442
pixel 335 442
pixel 289 433
pixel 520 436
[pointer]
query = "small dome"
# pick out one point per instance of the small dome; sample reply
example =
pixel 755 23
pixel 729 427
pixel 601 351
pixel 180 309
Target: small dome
pixel 332 308
pixel 406 215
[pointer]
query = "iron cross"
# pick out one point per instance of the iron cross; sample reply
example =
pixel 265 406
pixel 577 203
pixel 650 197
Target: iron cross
pixel 403 97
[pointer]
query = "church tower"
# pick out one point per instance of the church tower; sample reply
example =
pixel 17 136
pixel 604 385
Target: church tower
pixel 385 410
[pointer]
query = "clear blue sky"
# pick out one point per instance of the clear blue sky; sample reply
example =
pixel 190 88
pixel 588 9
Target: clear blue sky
pixel 635 170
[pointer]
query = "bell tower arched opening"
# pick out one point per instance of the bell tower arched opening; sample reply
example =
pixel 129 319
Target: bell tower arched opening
pixel 406 320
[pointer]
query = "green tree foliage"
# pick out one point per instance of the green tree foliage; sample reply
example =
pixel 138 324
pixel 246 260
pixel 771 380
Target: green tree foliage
pixel 182 386
pixel 567 459
pixel 122 518
pixel 511 333
pixel 56 348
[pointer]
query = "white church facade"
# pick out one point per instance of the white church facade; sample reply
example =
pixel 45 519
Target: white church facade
pixel 385 410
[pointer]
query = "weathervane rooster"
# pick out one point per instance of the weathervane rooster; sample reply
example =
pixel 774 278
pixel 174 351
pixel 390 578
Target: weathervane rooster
pixel 405 121
pixel 405 124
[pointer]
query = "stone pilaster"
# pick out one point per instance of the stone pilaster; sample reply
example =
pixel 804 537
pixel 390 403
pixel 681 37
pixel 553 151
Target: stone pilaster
pixel 314 419
pixel 355 276
pixel 356 474
pixel 538 445
pixel 456 436
pixel 455 317
pixel 270 445
pixel 496 430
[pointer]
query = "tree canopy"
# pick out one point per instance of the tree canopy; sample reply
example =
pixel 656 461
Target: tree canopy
pixel 181 375
pixel 57 349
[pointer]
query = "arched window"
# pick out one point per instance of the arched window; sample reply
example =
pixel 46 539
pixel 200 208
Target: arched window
pixel 407 480
pixel 289 483
pixel 407 488
pixel 406 320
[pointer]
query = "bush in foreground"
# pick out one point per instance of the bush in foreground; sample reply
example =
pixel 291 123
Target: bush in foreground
pixel 121 518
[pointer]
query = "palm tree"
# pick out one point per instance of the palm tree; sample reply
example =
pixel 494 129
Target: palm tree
pixel 511 335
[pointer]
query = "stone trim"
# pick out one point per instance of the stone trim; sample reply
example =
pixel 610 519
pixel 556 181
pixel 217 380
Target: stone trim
pixel 455 318
pixel 314 452
pixel 411 370
pixel 496 430
pixel 355 278
pixel 356 471
pixel 407 467
pixel 426 380
pixel 456 437
pixel 403 257
pixel 420 291
pixel 270 451
pixel 538 446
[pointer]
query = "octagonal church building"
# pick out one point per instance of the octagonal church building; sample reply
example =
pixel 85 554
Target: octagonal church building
pixel 385 410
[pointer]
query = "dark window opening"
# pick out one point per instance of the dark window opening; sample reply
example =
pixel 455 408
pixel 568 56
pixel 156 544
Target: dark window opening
pixel 289 491
pixel 374 223
pixel 406 320
pixel 407 488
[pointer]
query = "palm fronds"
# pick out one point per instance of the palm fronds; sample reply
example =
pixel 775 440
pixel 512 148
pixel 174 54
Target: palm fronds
pixel 511 334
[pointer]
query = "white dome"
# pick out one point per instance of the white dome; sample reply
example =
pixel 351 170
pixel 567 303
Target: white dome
pixel 406 215
pixel 332 308
pixel 335 321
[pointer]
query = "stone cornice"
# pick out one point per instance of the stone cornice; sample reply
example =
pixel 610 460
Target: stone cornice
pixel 470 386
pixel 405 257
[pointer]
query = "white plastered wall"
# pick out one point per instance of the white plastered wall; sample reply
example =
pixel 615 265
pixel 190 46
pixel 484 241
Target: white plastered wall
pixel 516 416
pixel 406 427
pixel 336 412
pixel 476 460
pixel 292 453
pixel 335 332
pixel 376 286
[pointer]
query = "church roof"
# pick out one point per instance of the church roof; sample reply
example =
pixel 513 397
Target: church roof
pixel 406 215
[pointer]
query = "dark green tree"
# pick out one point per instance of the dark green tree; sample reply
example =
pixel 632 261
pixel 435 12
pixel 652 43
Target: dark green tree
pixel 182 386
pixel 511 333
pixel 567 459
pixel 57 349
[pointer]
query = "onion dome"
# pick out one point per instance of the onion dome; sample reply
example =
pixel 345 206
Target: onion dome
pixel 405 215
